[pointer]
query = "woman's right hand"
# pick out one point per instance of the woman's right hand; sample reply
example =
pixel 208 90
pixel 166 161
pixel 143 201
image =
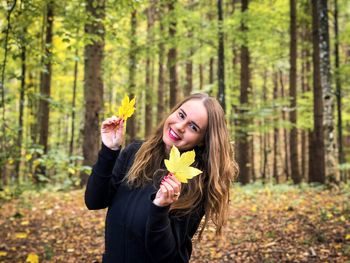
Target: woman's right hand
pixel 112 132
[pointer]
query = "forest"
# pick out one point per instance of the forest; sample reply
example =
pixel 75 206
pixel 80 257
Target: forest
pixel 279 69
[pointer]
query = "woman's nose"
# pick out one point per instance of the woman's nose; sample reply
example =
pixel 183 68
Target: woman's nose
pixel 180 126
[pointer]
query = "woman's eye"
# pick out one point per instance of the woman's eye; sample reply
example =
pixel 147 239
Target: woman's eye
pixel 181 115
pixel 193 127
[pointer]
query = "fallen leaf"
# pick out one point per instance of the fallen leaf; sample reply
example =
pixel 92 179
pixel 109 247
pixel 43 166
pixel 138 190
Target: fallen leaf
pixel 32 258
pixel 21 235
pixel 24 223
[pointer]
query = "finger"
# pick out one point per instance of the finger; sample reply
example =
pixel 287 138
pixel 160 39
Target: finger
pixel 175 181
pixel 107 122
pixel 169 188
pixel 164 191
pixel 176 187
pixel 121 124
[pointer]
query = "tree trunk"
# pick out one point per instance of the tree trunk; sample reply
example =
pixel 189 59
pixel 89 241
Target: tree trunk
pixel 45 88
pixel 161 81
pixel 317 151
pixel 305 70
pixel 275 133
pixel 45 81
pixel 243 137
pixel 93 83
pixel 20 110
pixel 252 160
pixel 189 73
pixel 221 57
pixel 211 70
pixel 4 145
pixel 265 134
pixel 131 126
pixel 201 77
pixel 71 141
pixel 285 132
pixel 172 55
pixel 305 83
pixel 332 174
pixel 341 155
pixel 149 86
pixel 189 61
pixel 293 146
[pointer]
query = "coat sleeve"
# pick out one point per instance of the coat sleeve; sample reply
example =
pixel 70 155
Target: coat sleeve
pixel 169 237
pixel 101 188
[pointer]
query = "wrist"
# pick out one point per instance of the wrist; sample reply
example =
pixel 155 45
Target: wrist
pixel 111 148
pixel 158 203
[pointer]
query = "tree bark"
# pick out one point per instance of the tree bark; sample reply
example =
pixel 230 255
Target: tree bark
pixel 265 135
pixel 221 57
pixel 201 77
pixel 317 151
pixel 131 127
pixel 275 133
pixel 45 81
pixel 341 154
pixel 293 95
pixel 161 58
pixel 189 61
pixel 93 82
pixel 75 76
pixel 285 133
pixel 172 55
pixel 20 110
pixel 2 103
pixel 211 70
pixel 149 87
pixel 243 137
pixel 332 174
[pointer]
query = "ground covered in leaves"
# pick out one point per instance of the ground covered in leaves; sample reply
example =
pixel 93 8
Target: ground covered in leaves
pixel 267 224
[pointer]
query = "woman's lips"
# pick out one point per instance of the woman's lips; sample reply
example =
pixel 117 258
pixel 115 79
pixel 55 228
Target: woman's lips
pixel 173 135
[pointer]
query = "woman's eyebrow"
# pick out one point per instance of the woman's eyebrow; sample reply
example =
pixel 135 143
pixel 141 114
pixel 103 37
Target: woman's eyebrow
pixel 184 113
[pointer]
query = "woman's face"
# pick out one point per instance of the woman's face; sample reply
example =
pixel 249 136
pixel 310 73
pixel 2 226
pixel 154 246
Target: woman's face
pixel 185 128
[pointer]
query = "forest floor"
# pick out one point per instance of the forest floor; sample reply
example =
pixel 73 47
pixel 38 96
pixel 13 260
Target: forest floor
pixel 267 224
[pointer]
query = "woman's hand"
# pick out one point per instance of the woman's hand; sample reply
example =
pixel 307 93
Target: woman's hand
pixel 112 132
pixel 168 192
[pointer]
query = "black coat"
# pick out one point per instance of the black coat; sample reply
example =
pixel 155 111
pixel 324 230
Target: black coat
pixel 136 229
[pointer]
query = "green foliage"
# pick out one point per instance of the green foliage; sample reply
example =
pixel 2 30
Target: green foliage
pixel 196 41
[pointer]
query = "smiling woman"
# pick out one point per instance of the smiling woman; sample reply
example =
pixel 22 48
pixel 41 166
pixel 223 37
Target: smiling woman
pixel 153 221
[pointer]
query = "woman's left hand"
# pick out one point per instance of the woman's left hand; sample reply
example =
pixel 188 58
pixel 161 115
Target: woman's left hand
pixel 168 192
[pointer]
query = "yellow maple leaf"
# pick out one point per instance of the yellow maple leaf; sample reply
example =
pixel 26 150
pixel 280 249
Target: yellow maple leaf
pixel 179 165
pixel 127 108
pixel 32 258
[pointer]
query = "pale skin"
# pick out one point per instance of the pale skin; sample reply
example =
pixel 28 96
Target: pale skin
pixel 185 128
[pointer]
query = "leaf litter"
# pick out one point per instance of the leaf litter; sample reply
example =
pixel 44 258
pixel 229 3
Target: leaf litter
pixel 265 225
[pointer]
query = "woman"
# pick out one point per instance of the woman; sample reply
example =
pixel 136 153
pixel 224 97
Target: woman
pixel 153 221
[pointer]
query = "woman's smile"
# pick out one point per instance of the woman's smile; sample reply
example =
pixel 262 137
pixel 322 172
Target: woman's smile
pixel 172 134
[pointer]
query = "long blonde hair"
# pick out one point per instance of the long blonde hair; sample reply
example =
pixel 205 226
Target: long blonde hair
pixel 211 189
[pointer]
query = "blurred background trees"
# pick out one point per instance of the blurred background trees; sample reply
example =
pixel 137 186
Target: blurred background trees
pixel 278 68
